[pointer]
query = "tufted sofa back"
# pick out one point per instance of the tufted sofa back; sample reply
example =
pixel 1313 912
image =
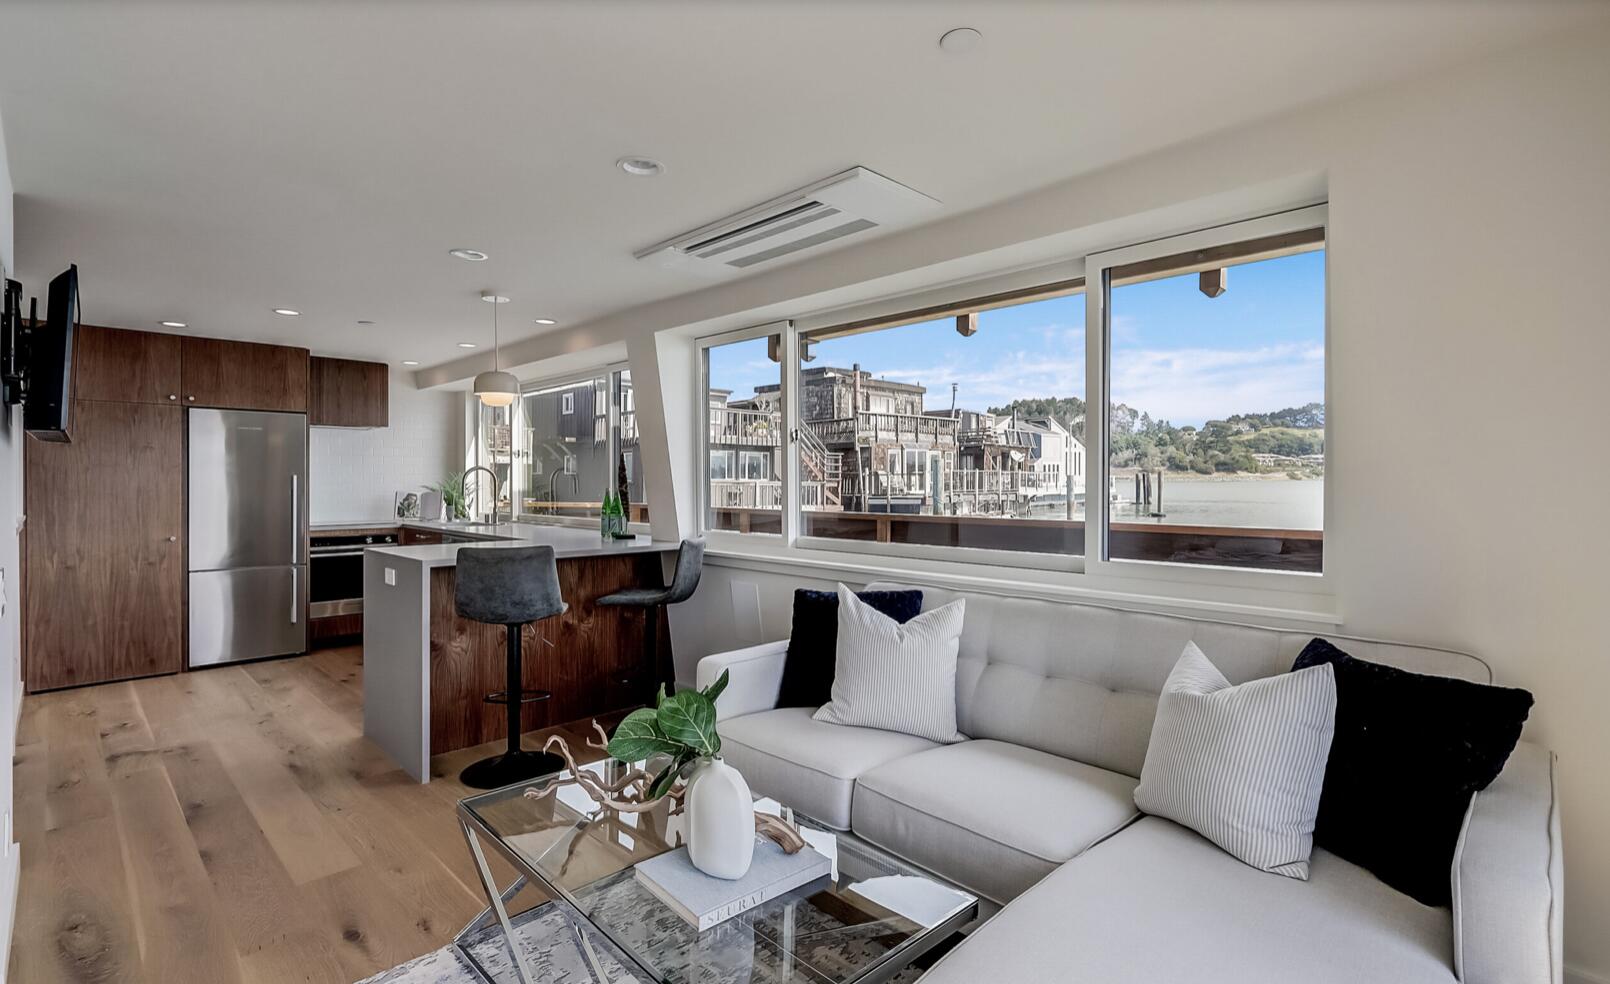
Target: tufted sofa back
pixel 1081 681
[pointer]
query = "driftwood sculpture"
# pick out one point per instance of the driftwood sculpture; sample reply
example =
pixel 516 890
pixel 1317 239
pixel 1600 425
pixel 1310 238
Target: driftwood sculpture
pixel 628 793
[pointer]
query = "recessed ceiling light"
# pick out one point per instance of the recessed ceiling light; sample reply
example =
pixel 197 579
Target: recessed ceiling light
pixel 365 322
pixel 473 255
pixel 410 362
pixel 640 167
pixel 466 344
pixel 287 313
pixel 173 324
pixel 960 39
pixel 544 321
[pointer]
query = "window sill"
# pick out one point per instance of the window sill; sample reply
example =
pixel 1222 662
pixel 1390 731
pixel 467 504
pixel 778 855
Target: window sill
pixel 1161 595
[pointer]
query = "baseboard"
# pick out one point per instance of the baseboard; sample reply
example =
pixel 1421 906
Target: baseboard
pixel 1577 975
pixel 10 872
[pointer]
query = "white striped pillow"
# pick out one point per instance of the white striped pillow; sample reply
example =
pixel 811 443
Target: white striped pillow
pixel 1243 766
pixel 896 677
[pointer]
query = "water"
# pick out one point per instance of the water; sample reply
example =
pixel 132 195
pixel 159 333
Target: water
pixel 1256 502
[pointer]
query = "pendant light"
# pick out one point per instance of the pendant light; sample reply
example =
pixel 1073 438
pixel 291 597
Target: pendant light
pixel 496 388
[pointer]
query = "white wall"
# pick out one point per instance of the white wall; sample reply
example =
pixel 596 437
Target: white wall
pixel 353 473
pixel 1469 355
pixel 10 600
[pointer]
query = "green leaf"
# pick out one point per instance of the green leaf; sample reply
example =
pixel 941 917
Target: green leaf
pixel 714 690
pixel 667 778
pixel 640 736
pixel 659 698
pixel 687 716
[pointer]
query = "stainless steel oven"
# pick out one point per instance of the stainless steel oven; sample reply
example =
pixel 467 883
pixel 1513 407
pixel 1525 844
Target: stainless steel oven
pixel 335 578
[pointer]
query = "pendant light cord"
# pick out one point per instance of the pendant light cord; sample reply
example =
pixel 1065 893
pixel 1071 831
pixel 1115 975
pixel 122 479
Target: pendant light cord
pixel 495 353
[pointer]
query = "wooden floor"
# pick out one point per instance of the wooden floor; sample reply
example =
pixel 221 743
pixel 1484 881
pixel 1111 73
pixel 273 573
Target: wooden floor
pixel 230 825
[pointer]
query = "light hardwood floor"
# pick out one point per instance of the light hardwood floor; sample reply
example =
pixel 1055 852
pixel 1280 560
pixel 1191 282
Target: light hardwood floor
pixel 231 825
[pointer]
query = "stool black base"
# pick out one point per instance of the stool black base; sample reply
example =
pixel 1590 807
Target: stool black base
pixel 509 768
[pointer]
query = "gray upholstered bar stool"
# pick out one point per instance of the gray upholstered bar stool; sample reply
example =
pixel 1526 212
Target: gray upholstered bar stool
pixel 511 587
pixel 689 565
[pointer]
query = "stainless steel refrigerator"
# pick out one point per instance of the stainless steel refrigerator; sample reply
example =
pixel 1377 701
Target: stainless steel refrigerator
pixel 248 535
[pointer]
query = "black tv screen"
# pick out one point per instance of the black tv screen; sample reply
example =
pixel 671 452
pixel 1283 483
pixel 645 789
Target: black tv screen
pixel 46 411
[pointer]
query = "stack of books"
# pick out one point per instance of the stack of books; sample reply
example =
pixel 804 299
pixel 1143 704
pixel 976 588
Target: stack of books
pixel 705 901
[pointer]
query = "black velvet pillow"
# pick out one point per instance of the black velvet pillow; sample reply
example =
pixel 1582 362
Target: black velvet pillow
pixel 1409 752
pixel 813 644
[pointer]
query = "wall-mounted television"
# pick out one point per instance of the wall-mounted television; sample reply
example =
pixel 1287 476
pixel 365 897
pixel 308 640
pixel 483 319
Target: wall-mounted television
pixel 38 357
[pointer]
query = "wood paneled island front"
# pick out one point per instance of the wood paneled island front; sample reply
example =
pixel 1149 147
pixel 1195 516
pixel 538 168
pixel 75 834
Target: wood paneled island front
pixel 426 671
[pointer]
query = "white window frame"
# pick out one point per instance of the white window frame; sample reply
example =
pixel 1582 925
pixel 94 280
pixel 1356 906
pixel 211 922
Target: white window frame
pixel 1098 508
pixel 743 467
pixel 788 450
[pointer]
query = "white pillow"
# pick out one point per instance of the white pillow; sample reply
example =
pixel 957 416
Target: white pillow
pixel 896 677
pixel 1242 766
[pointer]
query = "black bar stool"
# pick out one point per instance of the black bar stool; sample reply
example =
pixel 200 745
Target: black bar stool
pixel 512 587
pixel 689 565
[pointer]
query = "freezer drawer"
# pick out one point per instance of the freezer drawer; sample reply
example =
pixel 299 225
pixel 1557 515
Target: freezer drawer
pixel 247 613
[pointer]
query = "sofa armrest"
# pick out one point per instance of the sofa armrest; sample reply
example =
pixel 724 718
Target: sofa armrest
pixel 755 680
pixel 1508 877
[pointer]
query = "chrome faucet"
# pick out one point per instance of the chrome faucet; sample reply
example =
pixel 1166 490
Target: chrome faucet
pixel 464 478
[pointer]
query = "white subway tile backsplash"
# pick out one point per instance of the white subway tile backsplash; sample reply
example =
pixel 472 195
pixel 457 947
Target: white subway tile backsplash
pixel 353 474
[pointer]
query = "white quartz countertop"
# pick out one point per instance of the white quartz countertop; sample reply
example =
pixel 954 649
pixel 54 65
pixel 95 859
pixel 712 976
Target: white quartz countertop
pixel 567 542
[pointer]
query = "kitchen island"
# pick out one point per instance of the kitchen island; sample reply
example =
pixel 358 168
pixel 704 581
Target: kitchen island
pixel 426 671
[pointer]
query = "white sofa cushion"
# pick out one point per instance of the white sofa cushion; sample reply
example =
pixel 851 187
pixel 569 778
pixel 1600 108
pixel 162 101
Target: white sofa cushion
pixel 994 817
pixel 1243 766
pixel 809 765
pixel 1081 681
pixel 1159 903
pixel 896 677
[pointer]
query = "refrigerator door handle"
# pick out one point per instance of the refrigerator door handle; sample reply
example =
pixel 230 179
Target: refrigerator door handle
pixel 296 522
pixel 296 595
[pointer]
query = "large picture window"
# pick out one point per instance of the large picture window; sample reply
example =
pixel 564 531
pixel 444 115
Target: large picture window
pixel 956 428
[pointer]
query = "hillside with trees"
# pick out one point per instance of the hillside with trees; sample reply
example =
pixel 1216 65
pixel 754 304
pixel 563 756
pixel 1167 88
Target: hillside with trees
pixel 1218 447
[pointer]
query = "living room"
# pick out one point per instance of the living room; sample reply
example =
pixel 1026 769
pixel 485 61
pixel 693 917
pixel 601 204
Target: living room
pixel 1021 465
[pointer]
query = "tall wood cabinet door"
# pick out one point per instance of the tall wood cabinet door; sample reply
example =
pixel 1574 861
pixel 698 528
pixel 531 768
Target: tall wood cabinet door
pixel 105 547
pixel 125 366
pixel 242 375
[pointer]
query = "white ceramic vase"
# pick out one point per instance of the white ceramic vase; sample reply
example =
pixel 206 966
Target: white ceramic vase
pixel 721 820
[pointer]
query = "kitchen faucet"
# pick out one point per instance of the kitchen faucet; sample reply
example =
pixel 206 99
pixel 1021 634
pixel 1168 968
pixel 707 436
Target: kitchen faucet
pixel 464 478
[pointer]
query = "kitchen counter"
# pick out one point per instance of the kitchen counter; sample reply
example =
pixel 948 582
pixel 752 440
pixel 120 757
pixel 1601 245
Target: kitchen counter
pixel 427 671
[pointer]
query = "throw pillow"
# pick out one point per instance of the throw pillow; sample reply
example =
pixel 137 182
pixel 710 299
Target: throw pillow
pixel 896 677
pixel 1242 765
pixel 1410 751
pixel 813 642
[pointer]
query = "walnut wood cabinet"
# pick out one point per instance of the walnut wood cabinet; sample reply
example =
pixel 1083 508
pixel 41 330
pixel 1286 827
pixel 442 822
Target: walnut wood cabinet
pixel 347 393
pixel 125 366
pixel 242 375
pixel 104 545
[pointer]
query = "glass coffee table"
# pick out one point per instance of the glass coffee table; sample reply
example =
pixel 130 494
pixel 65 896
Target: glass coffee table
pixel 864 923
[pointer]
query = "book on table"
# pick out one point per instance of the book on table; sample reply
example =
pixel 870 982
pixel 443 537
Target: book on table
pixel 705 901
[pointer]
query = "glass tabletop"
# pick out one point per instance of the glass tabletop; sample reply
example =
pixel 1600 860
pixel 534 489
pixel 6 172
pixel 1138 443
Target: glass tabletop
pixel 862 923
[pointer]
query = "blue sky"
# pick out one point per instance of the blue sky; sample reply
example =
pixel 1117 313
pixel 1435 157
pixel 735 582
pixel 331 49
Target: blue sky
pixel 1176 354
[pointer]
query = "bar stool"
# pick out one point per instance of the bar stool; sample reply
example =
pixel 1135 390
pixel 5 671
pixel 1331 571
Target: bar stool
pixel 511 587
pixel 689 565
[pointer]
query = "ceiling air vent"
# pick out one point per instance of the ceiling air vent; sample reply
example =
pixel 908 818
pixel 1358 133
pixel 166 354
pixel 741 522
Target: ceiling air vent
pixel 819 215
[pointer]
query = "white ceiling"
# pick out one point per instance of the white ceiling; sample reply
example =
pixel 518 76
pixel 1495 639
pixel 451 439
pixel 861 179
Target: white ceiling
pixel 207 162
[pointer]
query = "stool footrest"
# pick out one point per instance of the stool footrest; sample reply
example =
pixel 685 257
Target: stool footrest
pixel 526 696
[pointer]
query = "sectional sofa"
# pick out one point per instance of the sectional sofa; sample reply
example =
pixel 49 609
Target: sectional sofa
pixel 1035 814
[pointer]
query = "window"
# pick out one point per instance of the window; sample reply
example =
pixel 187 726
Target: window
pixel 743 435
pixel 925 428
pixel 1216 434
pixel 575 443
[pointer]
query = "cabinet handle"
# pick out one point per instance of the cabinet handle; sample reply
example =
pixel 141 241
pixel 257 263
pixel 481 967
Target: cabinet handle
pixel 173 539
pixel 173 396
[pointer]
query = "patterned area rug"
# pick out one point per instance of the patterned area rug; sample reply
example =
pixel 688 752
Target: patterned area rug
pixel 555 957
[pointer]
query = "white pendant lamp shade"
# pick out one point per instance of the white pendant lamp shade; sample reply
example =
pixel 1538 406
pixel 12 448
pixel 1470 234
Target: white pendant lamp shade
pixel 496 388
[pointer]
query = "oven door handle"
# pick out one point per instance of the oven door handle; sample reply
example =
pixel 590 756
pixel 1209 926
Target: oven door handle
pixel 318 554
